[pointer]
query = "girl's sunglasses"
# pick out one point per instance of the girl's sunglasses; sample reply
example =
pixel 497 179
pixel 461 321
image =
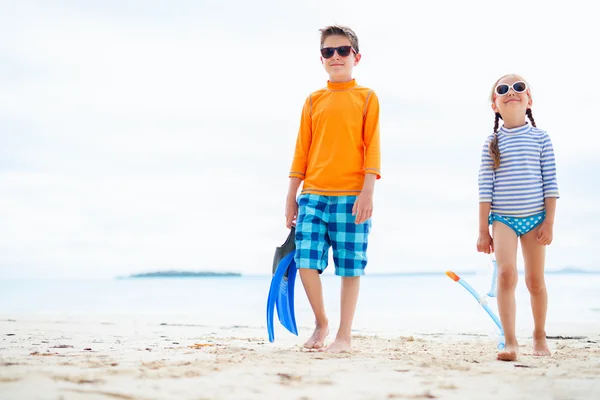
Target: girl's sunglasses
pixel 518 87
pixel 343 51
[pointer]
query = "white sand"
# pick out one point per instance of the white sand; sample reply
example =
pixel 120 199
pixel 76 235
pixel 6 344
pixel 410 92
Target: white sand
pixel 127 358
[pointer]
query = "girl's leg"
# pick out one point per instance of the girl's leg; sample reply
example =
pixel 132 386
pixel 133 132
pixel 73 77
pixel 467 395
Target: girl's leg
pixel 505 248
pixel 534 256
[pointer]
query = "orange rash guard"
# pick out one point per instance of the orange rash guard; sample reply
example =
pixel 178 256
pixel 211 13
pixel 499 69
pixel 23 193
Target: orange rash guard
pixel 338 140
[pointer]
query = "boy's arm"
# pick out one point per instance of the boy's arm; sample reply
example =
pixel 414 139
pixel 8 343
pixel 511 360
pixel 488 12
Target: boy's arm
pixel 363 207
pixel 369 184
pixel 299 162
pixel 291 205
pixel 371 139
pixel 293 188
pixel 298 169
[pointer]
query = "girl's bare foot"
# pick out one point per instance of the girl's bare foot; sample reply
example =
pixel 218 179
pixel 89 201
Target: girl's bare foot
pixel 317 340
pixel 509 353
pixel 339 346
pixel 540 346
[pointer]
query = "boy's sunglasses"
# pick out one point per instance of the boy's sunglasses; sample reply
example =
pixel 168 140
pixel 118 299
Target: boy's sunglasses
pixel 343 51
pixel 518 87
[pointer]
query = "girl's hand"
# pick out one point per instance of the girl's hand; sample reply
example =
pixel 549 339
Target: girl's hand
pixel 544 234
pixel 485 243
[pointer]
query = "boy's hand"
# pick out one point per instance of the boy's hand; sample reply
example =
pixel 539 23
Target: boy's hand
pixel 485 243
pixel 544 234
pixel 291 211
pixel 363 207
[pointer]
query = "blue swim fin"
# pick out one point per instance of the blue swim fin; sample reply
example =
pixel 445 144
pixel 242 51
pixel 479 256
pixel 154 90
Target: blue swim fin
pixel 281 292
pixel 285 299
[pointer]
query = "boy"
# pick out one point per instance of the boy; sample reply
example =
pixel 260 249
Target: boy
pixel 337 158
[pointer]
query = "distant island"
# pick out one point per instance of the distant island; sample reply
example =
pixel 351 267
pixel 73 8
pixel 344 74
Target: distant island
pixel 184 274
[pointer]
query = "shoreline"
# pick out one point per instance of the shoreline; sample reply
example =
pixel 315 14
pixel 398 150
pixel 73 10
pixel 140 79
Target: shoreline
pixel 326 275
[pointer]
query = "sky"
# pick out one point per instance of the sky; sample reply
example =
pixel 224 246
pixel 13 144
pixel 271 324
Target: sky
pixel 143 135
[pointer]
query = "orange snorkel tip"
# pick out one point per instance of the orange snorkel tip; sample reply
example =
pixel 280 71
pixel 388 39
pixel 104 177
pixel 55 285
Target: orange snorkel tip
pixel 453 276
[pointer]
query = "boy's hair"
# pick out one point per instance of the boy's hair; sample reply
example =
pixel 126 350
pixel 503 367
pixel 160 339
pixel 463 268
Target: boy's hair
pixel 494 149
pixel 341 30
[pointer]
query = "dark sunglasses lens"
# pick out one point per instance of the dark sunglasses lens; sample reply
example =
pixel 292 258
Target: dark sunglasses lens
pixel 519 87
pixel 344 51
pixel 502 89
pixel 327 52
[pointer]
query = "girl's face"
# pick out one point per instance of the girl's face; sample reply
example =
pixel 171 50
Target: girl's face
pixel 511 97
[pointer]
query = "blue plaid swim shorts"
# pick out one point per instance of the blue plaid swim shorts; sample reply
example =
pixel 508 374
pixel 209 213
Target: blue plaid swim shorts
pixel 327 221
pixel 521 225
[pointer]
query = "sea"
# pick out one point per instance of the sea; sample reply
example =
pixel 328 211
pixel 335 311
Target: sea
pixel 396 304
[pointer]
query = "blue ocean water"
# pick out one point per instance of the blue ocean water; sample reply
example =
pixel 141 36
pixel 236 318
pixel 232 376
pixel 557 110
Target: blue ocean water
pixel 413 303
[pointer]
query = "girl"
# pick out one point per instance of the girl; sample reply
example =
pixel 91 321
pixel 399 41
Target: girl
pixel 517 197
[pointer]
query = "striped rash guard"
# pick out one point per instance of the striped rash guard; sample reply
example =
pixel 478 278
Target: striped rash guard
pixel 526 175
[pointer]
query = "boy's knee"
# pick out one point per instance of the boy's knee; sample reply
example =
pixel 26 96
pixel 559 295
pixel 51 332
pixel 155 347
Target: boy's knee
pixel 309 273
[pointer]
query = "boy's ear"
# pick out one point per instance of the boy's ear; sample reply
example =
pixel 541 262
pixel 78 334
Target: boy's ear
pixel 357 58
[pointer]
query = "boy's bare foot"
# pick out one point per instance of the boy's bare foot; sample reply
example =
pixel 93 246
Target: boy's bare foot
pixel 509 353
pixel 317 340
pixel 540 346
pixel 339 346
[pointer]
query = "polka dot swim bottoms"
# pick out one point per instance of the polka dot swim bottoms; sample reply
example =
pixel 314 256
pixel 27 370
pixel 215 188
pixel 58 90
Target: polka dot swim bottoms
pixel 520 225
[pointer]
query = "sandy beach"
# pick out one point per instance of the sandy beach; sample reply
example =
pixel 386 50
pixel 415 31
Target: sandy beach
pixel 150 358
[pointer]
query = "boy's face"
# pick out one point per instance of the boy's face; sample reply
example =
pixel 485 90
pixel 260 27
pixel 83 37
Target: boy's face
pixel 339 67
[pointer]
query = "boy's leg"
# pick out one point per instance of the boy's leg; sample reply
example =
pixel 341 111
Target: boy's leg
pixel 312 248
pixel 534 256
pixel 348 301
pixel 349 242
pixel 505 248
pixel 314 291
